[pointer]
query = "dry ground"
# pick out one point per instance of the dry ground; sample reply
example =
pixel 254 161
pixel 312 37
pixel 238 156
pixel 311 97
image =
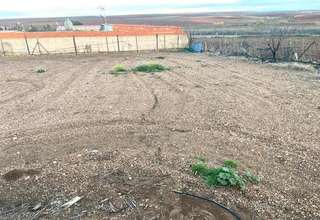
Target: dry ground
pixel 126 142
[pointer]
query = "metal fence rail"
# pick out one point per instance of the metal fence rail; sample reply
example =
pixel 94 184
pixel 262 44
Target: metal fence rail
pixel 304 49
pixel 96 44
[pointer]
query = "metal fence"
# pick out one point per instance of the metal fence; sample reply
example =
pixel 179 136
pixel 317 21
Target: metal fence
pixel 304 49
pixel 91 44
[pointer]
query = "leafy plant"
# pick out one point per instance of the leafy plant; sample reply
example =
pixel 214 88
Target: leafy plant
pixel 225 175
pixel 41 70
pixel 231 163
pixel 200 158
pixel 251 177
pixel 160 57
pixel 150 68
pixel 118 70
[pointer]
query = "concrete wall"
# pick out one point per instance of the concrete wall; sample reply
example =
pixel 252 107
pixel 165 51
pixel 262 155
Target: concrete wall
pixel 94 44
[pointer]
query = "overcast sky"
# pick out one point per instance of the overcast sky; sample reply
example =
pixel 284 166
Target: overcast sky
pixel 59 8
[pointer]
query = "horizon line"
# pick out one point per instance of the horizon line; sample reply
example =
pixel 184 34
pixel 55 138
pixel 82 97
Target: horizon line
pixel 174 13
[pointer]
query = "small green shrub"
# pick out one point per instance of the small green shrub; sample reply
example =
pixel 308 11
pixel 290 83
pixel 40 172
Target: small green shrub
pixel 231 163
pixel 160 57
pixel 150 68
pixel 200 158
pixel 225 175
pixel 251 177
pixel 41 70
pixel 118 70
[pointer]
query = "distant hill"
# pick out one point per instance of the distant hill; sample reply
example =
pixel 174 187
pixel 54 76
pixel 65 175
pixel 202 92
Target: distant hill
pixel 226 21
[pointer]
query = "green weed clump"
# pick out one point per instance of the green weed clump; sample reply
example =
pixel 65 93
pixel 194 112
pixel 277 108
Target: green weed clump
pixel 225 175
pixel 41 70
pixel 150 68
pixel 118 69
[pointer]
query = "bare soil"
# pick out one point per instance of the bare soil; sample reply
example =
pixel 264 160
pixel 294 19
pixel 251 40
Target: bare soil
pixel 125 143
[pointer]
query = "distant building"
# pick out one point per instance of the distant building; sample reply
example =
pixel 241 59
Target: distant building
pixel 80 28
pixel 106 27
pixel 68 25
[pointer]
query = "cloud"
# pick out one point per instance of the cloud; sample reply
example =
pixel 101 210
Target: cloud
pixel 45 5
pixel 39 8
pixel 68 8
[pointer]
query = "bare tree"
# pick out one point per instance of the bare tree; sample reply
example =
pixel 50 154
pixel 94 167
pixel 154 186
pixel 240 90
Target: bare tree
pixel 275 41
pixel 274 46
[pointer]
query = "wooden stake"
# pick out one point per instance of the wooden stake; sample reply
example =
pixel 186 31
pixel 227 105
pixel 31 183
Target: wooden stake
pixel 34 49
pixel 3 51
pixel 137 46
pixel 178 41
pixel 107 44
pixel 28 48
pixel 75 45
pixel 157 42
pixel 118 43
pixel 41 46
pixel 38 46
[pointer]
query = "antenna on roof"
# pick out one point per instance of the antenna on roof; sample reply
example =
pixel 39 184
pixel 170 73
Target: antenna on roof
pixel 103 14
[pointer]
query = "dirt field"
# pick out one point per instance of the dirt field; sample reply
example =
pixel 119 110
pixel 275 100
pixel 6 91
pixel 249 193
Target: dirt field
pixel 124 143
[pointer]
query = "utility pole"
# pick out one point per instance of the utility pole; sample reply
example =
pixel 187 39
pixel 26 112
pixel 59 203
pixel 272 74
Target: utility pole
pixel 103 14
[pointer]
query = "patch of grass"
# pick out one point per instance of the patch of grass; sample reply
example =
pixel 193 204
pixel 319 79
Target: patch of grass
pixel 187 50
pixel 251 177
pixel 118 69
pixel 160 57
pixel 200 158
pixel 41 70
pixel 150 68
pixel 231 163
pixel 225 175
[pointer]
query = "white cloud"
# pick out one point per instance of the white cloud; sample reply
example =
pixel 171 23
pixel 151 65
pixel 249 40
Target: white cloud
pixel 38 8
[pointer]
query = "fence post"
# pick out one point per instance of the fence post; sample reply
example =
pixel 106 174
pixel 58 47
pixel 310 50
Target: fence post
pixel 27 44
pixel 164 42
pixel 107 44
pixel 38 45
pixel 157 42
pixel 189 40
pixel 75 45
pixel 3 51
pixel 178 41
pixel 137 46
pixel 118 43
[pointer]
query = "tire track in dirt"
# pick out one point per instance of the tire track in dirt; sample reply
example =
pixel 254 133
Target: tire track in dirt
pixel 183 97
pixel 199 83
pixel 67 83
pixel 240 89
pixel 99 84
pixel 156 100
pixel 36 87
pixel 148 88
pixel 213 88
pixel 236 89
pixel 62 88
pixel 247 78
pixel 157 103
pixel 63 127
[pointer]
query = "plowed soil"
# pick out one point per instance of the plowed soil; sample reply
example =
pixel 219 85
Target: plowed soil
pixel 125 143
